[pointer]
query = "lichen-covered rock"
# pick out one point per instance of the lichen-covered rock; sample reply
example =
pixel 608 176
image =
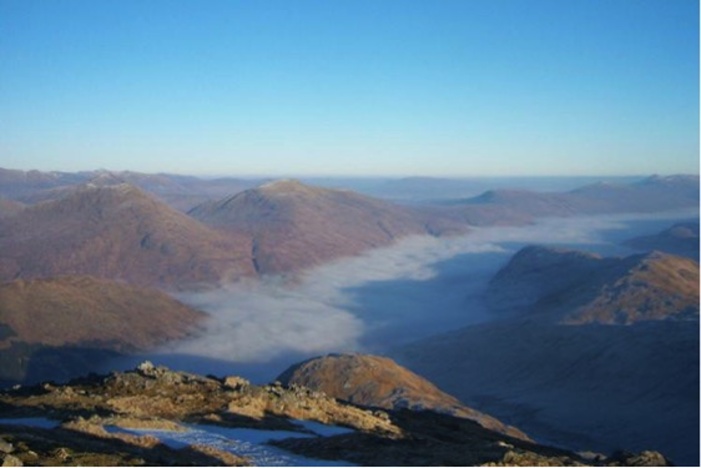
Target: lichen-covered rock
pixel 11 460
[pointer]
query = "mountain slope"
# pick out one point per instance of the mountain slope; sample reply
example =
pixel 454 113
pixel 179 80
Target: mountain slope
pixel 380 382
pixel 577 288
pixel 9 207
pixel 590 387
pixel 82 312
pixel 296 226
pixel 118 232
pixel 681 239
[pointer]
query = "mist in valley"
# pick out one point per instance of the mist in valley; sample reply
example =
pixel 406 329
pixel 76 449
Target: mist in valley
pixel 387 297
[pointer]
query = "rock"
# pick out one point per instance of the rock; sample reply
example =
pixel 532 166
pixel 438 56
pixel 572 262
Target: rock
pixel 644 458
pixel 236 383
pixel 5 446
pixel 146 368
pixel 61 453
pixel 11 460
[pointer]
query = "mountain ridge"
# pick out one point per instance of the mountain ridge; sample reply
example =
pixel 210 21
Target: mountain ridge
pixel 576 287
pixel 296 226
pixel 118 232
pixel 376 381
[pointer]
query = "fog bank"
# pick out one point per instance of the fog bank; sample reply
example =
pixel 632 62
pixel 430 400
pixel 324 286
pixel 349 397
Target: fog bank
pixel 416 288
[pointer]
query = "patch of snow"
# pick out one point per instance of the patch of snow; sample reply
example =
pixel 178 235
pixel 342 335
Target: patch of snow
pixel 250 443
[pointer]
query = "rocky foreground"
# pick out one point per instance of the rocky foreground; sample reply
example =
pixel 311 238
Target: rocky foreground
pixel 98 419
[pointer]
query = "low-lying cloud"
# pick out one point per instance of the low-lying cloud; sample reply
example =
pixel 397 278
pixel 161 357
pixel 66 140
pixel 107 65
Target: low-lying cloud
pixel 419 286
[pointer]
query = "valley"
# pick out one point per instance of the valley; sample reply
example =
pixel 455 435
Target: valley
pixel 583 341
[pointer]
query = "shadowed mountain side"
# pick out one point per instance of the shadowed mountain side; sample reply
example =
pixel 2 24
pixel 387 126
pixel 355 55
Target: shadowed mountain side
pixel 577 287
pixel 295 226
pixel 119 232
pixel 82 312
pixel 375 381
pixel 586 387
pixel 681 239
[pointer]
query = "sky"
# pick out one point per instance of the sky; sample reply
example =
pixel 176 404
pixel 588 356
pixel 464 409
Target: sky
pixel 351 87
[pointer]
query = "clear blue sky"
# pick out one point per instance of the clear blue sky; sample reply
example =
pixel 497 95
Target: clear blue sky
pixel 351 87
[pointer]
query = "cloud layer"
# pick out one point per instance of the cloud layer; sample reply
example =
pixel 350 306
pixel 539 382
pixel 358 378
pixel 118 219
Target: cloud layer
pixel 419 286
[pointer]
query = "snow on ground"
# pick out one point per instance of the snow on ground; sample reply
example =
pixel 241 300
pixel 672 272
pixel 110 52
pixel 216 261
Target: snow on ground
pixel 251 443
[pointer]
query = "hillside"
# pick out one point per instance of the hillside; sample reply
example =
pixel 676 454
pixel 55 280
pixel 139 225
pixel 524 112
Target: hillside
pixel 379 382
pixel 681 239
pixel 9 207
pixel 42 320
pixel 590 387
pixel 577 288
pixel 119 232
pixel 295 226
pixel 153 415
pixel 553 364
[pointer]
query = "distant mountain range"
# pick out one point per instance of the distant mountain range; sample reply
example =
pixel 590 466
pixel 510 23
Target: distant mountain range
pixel 94 223
pixel 520 206
pixel 180 192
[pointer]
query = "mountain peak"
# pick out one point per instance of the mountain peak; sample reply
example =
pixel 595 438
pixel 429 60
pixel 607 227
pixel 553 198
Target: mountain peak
pixel 289 187
pixel 377 381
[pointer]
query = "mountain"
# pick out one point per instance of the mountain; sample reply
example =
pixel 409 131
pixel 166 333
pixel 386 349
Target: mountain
pixel 589 387
pixel 379 382
pixel 44 319
pixel 553 364
pixel 577 287
pixel 655 193
pixel 296 226
pixel 521 206
pixel 119 232
pixel 681 239
pixel 178 191
pixel 16 184
pixel 153 415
